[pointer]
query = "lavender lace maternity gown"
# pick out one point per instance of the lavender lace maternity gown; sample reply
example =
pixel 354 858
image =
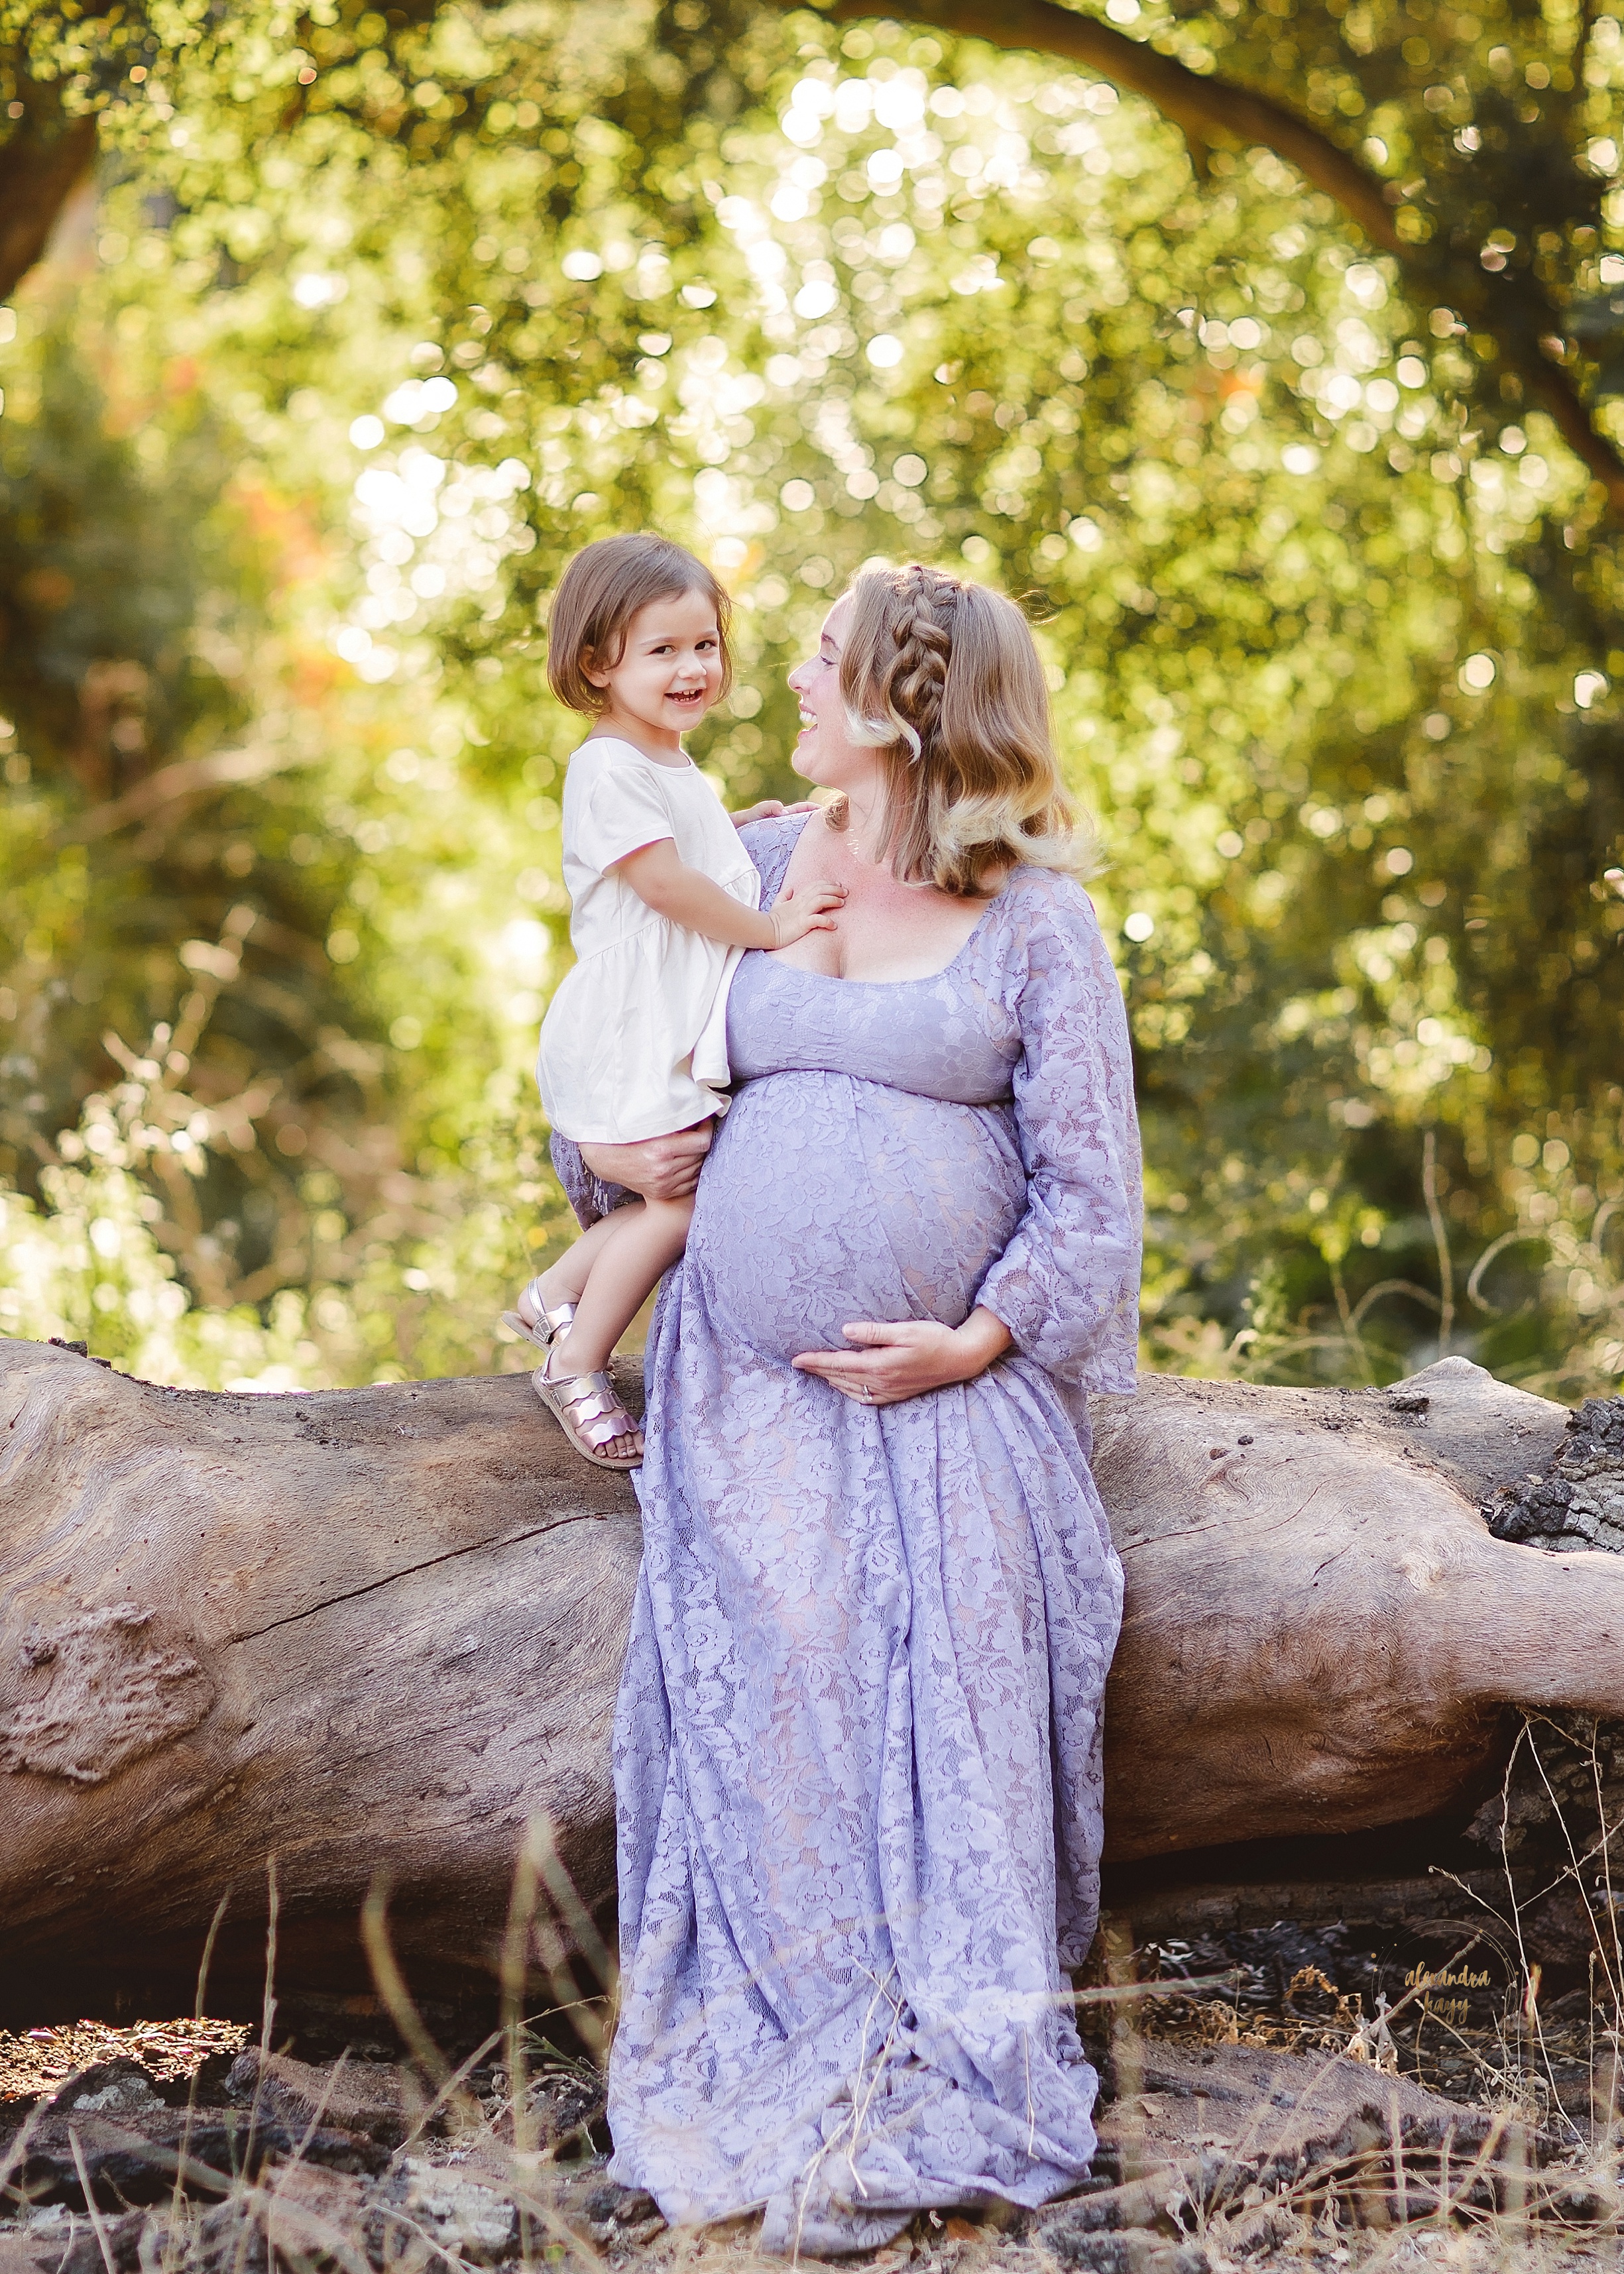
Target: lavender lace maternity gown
pixel 858 1752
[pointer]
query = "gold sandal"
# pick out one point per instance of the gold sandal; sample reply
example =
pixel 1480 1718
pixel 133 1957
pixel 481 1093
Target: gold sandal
pixel 545 1329
pixel 588 1409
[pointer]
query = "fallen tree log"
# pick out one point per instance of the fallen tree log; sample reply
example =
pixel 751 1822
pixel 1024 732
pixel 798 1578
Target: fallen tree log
pixel 371 1633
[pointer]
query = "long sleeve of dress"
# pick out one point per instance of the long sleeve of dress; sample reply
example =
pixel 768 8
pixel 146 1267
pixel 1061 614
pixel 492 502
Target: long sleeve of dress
pixel 1067 1284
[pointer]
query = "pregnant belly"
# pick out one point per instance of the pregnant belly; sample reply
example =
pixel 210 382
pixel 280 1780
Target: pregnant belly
pixel 826 1199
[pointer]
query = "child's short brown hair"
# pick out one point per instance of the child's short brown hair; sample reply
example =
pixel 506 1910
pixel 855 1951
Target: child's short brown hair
pixel 597 595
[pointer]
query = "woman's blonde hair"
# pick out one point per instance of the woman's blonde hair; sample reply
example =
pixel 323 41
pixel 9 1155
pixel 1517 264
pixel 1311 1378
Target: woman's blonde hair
pixel 944 677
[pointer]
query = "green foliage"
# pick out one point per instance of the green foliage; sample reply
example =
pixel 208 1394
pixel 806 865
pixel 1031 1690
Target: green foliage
pixel 92 1261
pixel 380 315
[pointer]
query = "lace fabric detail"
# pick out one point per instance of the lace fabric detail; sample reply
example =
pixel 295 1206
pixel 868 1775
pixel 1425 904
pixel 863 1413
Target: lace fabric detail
pixel 588 1195
pixel 857 1753
pixel 1027 1021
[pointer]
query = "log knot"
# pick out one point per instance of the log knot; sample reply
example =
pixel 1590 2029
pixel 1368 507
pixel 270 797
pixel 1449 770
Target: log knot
pixel 102 1694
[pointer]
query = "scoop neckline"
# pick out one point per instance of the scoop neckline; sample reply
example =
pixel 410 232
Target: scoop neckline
pixel 620 743
pixel 924 978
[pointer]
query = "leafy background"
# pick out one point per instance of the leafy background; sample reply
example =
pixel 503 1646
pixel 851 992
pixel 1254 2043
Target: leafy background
pixel 366 320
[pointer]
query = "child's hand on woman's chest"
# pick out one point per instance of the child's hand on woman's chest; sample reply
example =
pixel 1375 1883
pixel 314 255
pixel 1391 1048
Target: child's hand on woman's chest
pixel 884 930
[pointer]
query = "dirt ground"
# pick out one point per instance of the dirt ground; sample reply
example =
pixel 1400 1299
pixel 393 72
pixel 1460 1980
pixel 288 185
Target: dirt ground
pixel 1272 2118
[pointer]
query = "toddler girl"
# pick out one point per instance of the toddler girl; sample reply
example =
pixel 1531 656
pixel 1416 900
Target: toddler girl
pixel 663 903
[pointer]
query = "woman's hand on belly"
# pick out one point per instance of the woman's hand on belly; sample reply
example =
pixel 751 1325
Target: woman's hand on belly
pixel 903 1357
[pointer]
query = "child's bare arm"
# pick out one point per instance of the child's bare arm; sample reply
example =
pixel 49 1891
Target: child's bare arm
pixel 672 889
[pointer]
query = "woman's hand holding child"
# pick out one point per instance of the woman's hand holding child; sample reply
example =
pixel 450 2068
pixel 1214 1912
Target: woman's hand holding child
pixel 769 809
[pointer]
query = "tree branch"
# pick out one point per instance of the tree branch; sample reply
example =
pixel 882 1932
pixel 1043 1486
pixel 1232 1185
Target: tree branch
pixel 1212 110
pixel 39 167
pixel 187 778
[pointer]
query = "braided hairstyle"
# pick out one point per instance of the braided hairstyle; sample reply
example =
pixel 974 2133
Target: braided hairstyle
pixel 911 680
pixel 943 676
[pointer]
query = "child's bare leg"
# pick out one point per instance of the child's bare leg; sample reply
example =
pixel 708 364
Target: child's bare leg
pixel 641 1244
pixel 564 1281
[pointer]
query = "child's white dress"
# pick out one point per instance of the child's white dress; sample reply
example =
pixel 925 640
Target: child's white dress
pixel 634 1044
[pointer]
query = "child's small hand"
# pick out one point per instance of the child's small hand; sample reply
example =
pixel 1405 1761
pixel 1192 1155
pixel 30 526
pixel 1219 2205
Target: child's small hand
pixel 801 908
pixel 769 809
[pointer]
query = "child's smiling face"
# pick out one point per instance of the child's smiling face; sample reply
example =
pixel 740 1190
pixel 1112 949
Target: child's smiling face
pixel 669 671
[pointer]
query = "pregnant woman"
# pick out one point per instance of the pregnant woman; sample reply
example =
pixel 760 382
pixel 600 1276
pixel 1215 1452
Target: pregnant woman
pixel 858 1753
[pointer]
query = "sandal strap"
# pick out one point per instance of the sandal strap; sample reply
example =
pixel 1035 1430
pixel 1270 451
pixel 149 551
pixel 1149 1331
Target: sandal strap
pixel 593 1406
pixel 549 1323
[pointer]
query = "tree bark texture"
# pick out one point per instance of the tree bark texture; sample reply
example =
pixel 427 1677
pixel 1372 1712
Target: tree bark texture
pixel 42 163
pixel 372 1634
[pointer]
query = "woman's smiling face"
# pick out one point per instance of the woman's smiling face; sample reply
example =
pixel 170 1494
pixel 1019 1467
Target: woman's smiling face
pixel 825 752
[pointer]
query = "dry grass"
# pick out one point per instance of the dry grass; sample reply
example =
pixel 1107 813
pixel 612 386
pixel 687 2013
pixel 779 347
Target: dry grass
pixel 497 2165
pixel 468 2196
pixel 1542 2056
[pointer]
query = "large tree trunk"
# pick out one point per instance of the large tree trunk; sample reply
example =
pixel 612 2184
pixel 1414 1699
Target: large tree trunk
pixel 44 159
pixel 374 1632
